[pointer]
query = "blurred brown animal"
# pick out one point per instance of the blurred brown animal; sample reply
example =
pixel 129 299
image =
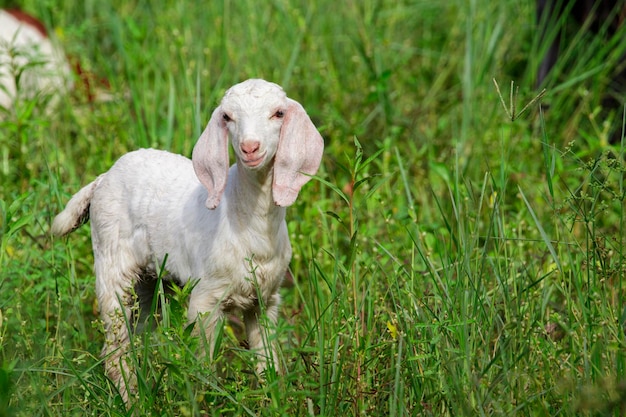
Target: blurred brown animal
pixel 597 14
pixel 601 17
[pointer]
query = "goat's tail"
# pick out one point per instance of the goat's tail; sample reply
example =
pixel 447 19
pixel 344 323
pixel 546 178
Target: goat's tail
pixel 76 212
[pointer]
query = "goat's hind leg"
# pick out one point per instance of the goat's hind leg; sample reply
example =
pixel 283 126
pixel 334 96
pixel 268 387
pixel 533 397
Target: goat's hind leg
pixel 114 290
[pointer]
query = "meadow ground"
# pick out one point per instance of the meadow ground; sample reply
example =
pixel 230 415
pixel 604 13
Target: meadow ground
pixel 454 257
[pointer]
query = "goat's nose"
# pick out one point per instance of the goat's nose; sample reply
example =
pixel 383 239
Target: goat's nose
pixel 250 147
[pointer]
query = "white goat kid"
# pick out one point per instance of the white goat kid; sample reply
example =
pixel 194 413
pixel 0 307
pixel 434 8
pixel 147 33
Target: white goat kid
pixel 223 227
pixel 25 48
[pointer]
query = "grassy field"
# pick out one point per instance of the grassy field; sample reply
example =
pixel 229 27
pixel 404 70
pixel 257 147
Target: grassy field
pixel 454 258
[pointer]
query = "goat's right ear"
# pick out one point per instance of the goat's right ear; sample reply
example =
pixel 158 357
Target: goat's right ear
pixel 210 158
pixel 298 156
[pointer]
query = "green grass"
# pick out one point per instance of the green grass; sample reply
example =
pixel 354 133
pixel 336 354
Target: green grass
pixel 447 260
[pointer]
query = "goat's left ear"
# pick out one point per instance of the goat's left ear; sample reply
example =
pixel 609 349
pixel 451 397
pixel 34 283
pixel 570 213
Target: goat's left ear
pixel 299 154
pixel 210 158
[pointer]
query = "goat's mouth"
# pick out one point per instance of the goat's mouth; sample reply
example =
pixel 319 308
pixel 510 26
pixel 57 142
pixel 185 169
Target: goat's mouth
pixel 254 161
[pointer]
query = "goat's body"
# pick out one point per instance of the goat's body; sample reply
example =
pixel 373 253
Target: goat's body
pixel 130 229
pixel 171 191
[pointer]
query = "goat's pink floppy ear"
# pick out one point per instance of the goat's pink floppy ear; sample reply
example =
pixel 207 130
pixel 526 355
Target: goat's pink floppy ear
pixel 210 158
pixel 299 154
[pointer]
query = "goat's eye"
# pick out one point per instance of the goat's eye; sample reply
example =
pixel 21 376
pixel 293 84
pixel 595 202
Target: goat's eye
pixel 226 117
pixel 279 114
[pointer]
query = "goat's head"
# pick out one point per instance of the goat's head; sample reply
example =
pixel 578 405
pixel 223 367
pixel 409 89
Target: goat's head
pixel 264 126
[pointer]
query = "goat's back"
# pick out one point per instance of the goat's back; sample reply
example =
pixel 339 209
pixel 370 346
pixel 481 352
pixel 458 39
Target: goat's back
pixel 144 201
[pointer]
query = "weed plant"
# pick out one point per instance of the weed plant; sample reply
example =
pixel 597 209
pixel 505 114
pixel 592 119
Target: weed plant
pixel 451 258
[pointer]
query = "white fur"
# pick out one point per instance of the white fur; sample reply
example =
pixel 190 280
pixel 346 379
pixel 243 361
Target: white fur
pixel 22 44
pixel 151 204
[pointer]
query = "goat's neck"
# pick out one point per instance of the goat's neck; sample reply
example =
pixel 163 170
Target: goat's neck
pixel 251 197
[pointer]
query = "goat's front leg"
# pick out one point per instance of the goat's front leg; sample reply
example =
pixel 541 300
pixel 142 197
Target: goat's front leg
pixel 261 333
pixel 207 314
